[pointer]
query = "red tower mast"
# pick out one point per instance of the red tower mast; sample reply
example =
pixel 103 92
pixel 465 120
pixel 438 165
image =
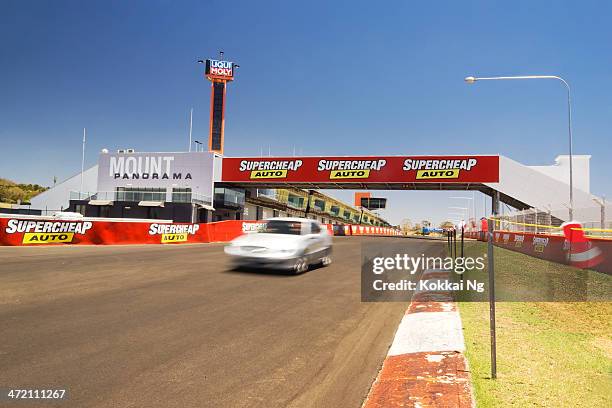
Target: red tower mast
pixel 219 73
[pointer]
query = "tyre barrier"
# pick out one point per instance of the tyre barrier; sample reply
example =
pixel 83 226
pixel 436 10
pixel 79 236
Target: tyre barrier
pixel 572 248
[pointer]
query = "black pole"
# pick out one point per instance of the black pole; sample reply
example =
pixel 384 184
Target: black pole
pixel 307 210
pixel 462 232
pixel 455 242
pixel 491 265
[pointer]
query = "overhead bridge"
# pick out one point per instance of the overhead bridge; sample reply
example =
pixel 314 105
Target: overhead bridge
pixel 518 185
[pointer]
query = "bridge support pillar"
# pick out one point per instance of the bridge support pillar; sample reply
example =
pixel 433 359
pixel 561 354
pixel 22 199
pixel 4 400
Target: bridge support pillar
pixel 495 203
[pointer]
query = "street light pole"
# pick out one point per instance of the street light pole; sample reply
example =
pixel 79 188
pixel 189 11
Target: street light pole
pixel 465 212
pixel 190 127
pixel 471 80
pixel 82 162
pixel 473 206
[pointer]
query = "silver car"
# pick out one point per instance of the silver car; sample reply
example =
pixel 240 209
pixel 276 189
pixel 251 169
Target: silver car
pixel 283 243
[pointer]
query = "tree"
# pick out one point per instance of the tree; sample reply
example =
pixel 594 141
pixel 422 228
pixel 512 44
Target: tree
pixel 447 224
pixel 11 192
pixel 406 225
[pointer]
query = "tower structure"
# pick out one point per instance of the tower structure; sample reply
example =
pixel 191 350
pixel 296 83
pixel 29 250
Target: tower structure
pixel 219 73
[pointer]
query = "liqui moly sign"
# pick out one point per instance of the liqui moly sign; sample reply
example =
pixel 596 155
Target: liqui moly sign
pixel 219 69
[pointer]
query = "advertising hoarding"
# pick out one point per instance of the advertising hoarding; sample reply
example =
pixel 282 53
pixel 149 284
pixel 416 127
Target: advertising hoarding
pixel 362 169
pixel 36 231
pixel 219 69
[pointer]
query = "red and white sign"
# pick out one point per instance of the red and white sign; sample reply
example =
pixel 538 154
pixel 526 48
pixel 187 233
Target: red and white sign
pixel 362 169
pixel 40 231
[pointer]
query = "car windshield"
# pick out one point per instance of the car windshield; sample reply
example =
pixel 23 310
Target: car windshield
pixel 283 227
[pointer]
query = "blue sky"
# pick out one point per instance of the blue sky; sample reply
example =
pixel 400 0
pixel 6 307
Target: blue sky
pixel 323 77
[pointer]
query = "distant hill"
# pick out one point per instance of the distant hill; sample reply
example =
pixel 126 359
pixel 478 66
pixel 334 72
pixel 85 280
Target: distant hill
pixel 11 192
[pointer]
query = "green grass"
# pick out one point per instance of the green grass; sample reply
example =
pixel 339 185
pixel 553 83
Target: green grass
pixel 550 354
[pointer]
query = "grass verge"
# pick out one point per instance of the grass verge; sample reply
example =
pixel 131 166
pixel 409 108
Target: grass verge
pixel 550 354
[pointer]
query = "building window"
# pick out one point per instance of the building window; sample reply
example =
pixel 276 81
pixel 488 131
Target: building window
pixel 319 204
pixel 202 215
pixel 268 193
pixel 229 197
pixel 154 213
pixel 140 194
pixel 295 201
pixel 181 195
pixel 80 208
pixel 275 213
pixel 105 211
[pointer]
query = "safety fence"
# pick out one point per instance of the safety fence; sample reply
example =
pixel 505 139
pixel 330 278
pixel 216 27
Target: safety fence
pixel 17 231
pixel 594 220
pixel 569 244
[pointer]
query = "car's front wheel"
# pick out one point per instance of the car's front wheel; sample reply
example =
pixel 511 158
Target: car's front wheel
pixel 301 265
pixel 326 260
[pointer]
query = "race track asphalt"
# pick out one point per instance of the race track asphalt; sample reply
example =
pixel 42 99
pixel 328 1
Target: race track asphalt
pixel 172 326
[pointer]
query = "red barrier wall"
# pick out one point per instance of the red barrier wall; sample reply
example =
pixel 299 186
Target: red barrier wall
pixel 40 231
pixel 595 254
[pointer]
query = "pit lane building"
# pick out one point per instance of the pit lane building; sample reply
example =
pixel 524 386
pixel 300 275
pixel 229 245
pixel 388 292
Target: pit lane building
pixel 185 187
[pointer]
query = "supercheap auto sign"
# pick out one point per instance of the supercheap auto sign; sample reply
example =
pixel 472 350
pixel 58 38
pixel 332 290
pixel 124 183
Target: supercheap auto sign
pixel 35 231
pixel 46 232
pixel 381 169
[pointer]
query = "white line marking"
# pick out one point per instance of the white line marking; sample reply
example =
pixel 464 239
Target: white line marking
pixel 428 331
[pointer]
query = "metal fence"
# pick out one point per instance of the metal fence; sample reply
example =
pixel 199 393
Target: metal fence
pixel 593 219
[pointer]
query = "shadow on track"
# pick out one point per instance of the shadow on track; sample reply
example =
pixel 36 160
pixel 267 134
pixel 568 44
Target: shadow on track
pixel 271 272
